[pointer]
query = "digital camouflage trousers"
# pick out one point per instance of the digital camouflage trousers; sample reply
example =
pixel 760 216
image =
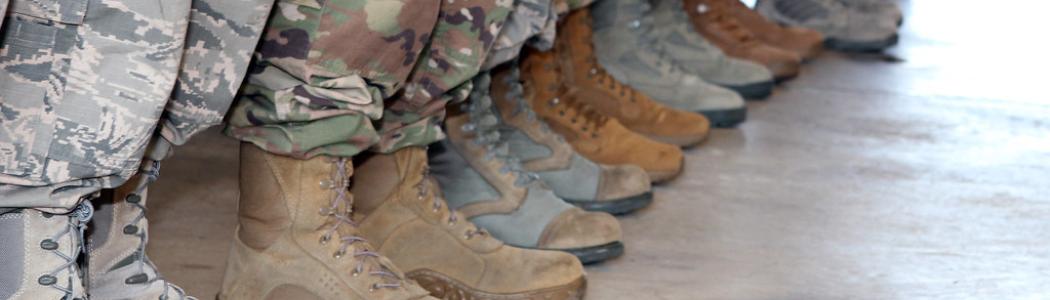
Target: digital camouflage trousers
pixel 84 84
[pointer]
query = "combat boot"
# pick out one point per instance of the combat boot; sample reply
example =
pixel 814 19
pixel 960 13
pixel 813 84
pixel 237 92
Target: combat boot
pixel 847 25
pixel 39 252
pixel 480 179
pixel 400 209
pixel 296 238
pixel 615 189
pixel 715 23
pixel 599 138
pixel 119 267
pixel 625 47
pixel 807 43
pixel 597 88
pixel 676 38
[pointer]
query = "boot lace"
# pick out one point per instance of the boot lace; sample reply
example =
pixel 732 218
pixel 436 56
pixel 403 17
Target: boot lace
pixel 516 95
pixel 80 217
pixel 484 124
pixel 338 211
pixel 594 70
pixel 438 206
pixel 151 171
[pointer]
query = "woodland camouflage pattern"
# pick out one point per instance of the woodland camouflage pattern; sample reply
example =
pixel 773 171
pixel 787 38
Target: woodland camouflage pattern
pixel 83 84
pixel 324 69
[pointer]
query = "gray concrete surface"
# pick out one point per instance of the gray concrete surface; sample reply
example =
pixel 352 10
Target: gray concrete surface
pixel 926 178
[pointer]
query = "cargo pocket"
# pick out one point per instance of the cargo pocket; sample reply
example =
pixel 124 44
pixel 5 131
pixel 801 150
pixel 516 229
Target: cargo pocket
pixel 35 35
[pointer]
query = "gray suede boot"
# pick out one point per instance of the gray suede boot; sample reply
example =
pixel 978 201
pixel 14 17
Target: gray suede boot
pixel 119 268
pixel 579 181
pixel 481 180
pixel 678 40
pixel 626 45
pixel 39 252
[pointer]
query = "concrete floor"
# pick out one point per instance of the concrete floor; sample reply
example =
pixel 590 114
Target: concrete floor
pixel 868 177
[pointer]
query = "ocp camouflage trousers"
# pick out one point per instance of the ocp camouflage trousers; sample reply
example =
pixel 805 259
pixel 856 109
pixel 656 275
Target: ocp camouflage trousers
pixel 84 85
pixel 339 77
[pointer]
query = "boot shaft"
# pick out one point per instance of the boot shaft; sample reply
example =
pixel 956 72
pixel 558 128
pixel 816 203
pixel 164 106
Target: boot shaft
pixel 283 194
pixel 516 114
pixel 120 268
pixel 39 254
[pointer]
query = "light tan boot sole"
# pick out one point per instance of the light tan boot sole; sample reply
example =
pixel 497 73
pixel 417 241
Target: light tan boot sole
pixel 445 288
pixel 680 141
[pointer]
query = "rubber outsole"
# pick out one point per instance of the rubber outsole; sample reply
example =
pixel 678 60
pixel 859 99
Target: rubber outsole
pixel 867 46
pixel 615 207
pixel 754 91
pixel 597 254
pixel 726 118
pixel 442 287
pixel 684 142
pixel 658 177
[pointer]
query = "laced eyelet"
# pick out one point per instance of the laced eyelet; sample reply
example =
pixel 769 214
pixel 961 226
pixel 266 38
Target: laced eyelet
pixel 48 244
pixel 324 239
pixel 46 280
pixel 339 254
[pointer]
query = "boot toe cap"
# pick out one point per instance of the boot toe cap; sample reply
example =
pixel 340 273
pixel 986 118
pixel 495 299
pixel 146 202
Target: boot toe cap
pixel 623 181
pixel 578 229
pixel 517 271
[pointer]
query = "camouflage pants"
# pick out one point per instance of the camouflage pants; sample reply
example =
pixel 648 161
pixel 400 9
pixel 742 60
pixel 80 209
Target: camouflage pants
pixel 532 22
pixel 84 85
pixel 339 77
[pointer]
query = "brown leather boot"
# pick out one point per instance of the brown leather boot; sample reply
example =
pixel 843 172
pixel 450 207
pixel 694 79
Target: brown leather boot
pixel 807 43
pixel 717 24
pixel 296 240
pixel 400 210
pixel 601 139
pixel 612 98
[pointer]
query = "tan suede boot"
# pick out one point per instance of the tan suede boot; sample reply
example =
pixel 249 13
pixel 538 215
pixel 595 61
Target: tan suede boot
pixel 399 209
pixel 296 239
pixel 807 43
pixel 601 139
pixel 717 25
pixel 612 98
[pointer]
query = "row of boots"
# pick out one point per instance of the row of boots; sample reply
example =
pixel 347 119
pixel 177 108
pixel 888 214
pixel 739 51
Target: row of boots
pixel 511 205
